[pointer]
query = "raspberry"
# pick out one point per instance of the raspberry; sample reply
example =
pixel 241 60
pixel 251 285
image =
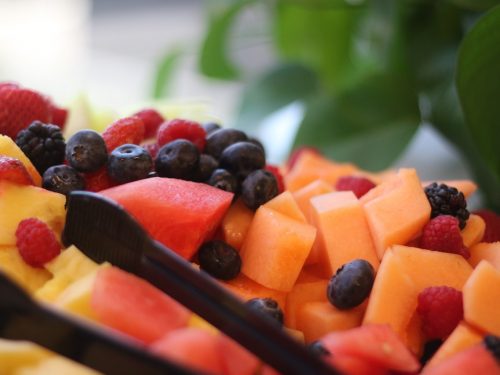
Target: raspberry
pixel 20 107
pixel 441 309
pixel 152 120
pixel 443 234
pixel 492 221
pixel 294 156
pixel 179 128
pixel 11 169
pixel 357 184
pixel 98 180
pixel 36 242
pixel 279 177
pixel 447 200
pixel 122 131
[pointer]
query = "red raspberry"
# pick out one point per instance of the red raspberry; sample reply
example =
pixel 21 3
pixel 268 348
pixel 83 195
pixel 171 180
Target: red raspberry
pixel 59 115
pixel 98 180
pixel 443 234
pixel 492 221
pixel 179 128
pixel 279 178
pixel 441 309
pixel 13 170
pixel 152 120
pixel 294 156
pixel 36 242
pixel 122 131
pixel 20 107
pixel 357 184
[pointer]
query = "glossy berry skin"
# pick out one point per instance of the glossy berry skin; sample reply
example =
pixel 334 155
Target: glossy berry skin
pixel 206 167
pixel 210 127
pixel 351 284
pixel 62 179
pixel 177 159
pixel 86 151
pixel 268 307
pixel 242 158
pixel 219 140
pixel 128 163
pixel 318 349
pixel 258 143
pixel 224 180
pixel 219 259
pixel 258 187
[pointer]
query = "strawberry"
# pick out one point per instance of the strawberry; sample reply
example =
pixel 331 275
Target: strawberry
pixel 185 129
pixel 13 170
pixel 122 131
pixel 152 120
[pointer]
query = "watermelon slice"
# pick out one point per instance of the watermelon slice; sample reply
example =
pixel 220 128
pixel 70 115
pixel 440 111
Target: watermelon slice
pixel 132 306
pixel 236 360
pixel 179 214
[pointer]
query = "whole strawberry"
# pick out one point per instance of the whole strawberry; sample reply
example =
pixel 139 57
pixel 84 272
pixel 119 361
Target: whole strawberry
pixel 443 234
pixel 19 107
pixel 122 131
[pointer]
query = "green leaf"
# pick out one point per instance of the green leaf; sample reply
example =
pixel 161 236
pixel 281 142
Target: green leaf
pixel 369 124
pixel 478 85
pixel 164 73
pixel 475 4
pixel 280 86
pixel 214 60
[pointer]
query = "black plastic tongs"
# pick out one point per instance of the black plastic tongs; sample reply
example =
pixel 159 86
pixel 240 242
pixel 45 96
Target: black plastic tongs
pixel 105 232
pixel 21 318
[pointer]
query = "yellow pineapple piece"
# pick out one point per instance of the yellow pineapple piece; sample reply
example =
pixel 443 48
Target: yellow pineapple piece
pixel 16 354
pixel 56 366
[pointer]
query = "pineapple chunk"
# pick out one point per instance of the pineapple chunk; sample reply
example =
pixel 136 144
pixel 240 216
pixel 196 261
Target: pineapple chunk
pixel 14 354
pixel 56 365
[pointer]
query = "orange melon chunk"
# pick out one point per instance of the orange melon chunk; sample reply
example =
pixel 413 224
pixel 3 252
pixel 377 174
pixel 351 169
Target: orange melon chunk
pixel 246 289
pixel 473 231
pixel 285 203
pixel 343 230
pixel 311 166
pixel 396 210
pixel 236 223
pixel 275 249
pixel 316 319
pixel 462 337
pixel 487 251
pixel 482 298
pixel 467 187
pixel 302 293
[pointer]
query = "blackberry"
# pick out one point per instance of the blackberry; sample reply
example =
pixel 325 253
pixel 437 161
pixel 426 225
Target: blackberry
pixel 43 144
pixel 493 345
pixel 219 259
pixel 86 151
pixel 446 200
pixel 267 306
pixel 62 179
pixel 128 163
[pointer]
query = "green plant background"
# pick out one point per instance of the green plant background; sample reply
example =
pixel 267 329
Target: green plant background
pixel 363 69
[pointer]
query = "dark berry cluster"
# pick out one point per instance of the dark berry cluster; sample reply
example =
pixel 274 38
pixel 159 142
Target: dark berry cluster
pixel 446 200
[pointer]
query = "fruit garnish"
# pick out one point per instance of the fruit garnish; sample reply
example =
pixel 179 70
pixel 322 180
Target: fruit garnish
pixel 446 200
pixel 11 169
pixel 443 234
pixel 180 128
pixel 359 185
pixel 125 130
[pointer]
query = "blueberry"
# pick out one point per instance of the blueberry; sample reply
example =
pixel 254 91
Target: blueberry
pixel 219 259
pixel 256 142
pixel 62 179
pixel 242 158
pixel 177 159
pixel 351 284
pixel 128 163
pixel 224 180
pixel 206 166
pixel 210 127
pixel 258 187
pixel 218 140
pixel 267 306
pixel 318 349
pixel 86 151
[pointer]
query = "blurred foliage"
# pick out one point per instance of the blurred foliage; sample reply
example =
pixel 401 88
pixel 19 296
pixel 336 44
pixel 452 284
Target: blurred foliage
pixel 368 73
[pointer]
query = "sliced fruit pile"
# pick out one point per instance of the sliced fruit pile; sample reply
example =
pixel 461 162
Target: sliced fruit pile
pixel 377 273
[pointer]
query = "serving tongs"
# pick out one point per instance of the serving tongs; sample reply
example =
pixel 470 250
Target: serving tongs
pixel 21 318
pixel 104 231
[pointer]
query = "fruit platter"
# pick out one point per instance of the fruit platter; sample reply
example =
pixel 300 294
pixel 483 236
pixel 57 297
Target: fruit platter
pixel 362 272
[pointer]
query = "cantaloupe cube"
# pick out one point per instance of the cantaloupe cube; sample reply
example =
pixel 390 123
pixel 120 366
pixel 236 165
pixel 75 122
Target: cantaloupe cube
pixel 235 223
pixel 467 187
pixel 285 204
pixel 487 251
pixel 414 335
pixel 311 166
pixel 473 231
pixel 310 291
pixel 311 273
pixel 396 210
pixel 275 249
pixel 316 319
pixel 343 230
pixel 462 337
pixel 246 289
pixel 482 298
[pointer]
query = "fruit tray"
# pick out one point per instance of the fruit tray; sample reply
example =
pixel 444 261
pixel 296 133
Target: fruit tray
pixel 166 245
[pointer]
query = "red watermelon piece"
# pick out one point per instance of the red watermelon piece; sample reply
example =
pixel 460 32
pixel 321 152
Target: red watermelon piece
pixel 179 214
pixel 350 365
pixel 374 343
pixel 191 347
pixel 132 306
pixel 236 360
